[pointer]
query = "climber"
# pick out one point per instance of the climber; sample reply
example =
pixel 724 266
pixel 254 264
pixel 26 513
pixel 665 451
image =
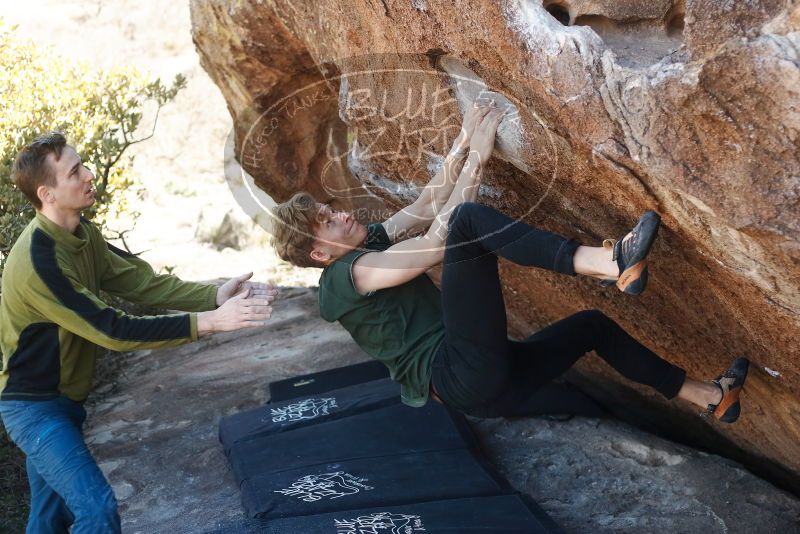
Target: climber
pixel 453 343
pixel 52 318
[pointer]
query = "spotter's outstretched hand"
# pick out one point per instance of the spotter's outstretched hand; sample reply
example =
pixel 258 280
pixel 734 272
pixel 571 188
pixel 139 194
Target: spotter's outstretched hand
pixel 234 286
pixel 236 313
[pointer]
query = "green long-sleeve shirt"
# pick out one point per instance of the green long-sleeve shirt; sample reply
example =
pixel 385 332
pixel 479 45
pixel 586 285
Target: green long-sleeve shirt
pixel 52 320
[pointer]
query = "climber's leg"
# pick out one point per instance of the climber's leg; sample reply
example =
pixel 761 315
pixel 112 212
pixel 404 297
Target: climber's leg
pixel 471 368
pixel 550 352
pixel 557 347
pixel 476 229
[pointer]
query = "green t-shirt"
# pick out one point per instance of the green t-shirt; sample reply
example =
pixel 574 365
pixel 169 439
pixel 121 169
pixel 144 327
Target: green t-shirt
pixel 400 326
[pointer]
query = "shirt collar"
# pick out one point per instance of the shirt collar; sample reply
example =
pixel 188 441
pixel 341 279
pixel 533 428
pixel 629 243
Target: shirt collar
pixel 73 242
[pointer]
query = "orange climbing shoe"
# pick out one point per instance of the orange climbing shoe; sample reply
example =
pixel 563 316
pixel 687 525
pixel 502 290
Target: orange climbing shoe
pixel 730 384
pixel 631 252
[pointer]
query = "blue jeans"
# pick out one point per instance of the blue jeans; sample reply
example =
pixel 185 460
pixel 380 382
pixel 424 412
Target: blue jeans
pixel 67 486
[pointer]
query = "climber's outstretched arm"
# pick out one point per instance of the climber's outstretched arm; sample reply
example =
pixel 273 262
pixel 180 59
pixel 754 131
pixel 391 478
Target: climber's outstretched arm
pixel 417 217
pixel 406 260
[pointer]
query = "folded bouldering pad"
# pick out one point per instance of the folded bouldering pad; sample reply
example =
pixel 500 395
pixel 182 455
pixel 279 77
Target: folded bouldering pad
pixel 322 381
pixel 336 452
pixel 506 514
pixel 366 482
pixel 300 412
pixel 386 431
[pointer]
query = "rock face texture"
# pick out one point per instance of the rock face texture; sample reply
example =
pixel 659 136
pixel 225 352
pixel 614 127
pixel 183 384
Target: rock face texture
pixel 688 108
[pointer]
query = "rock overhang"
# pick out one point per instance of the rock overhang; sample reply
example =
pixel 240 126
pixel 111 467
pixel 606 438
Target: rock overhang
pixel 701 125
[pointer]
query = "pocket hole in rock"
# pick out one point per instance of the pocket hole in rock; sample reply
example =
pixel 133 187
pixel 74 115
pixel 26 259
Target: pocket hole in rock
pixel 559 11
pixel 638 43
pixel 675 23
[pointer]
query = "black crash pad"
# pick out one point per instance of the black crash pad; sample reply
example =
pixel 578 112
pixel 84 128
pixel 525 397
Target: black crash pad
pixel 336 453
pixel 387 431
pixel 322 381
pixel 367 482
pixel 296 413
pixel 506 514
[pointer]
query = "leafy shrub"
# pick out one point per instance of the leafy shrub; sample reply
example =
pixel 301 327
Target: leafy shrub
pixel 100 111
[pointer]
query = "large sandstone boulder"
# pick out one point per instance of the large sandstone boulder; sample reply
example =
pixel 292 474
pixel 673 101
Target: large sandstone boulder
pixel 689 108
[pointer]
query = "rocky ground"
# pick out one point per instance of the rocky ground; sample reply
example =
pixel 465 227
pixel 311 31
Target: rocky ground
pixel 154 432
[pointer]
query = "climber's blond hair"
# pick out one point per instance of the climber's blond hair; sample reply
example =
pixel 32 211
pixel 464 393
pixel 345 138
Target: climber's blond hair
pixel 293 229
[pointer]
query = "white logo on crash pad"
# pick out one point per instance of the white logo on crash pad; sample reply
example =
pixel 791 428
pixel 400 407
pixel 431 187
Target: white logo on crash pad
pixel 380 523
pixel 305 409
pixel 312 488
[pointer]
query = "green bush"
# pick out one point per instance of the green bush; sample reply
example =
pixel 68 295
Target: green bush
pixel 100 111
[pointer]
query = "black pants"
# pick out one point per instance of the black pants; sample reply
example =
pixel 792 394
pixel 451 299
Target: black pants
pixel 477 369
